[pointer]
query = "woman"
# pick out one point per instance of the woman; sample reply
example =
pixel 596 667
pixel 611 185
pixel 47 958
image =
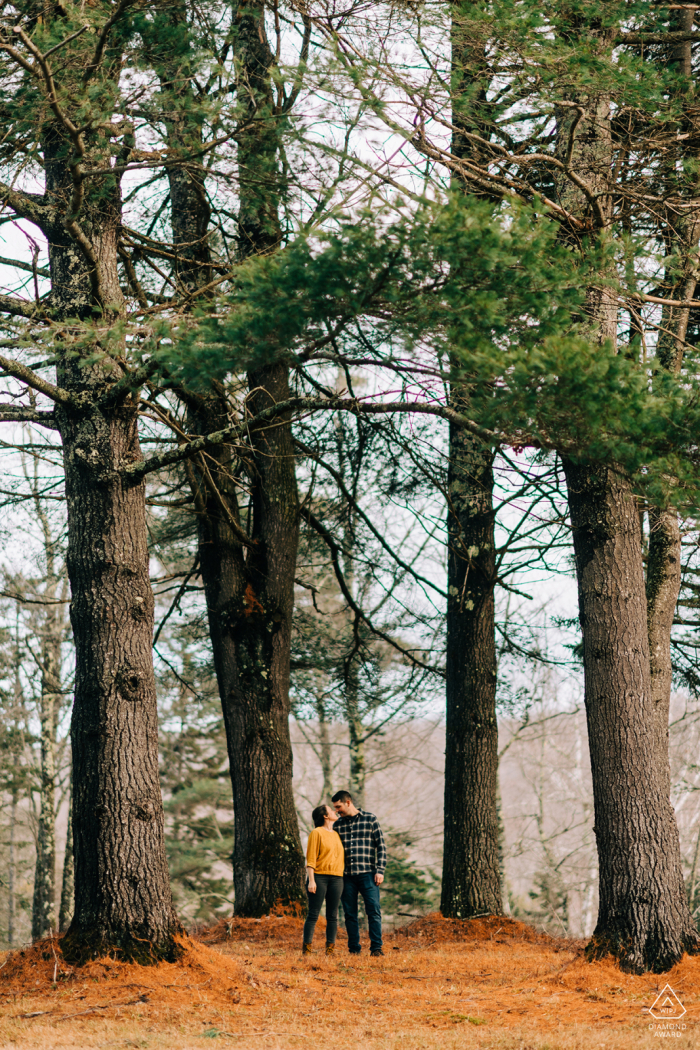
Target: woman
pixel 325 863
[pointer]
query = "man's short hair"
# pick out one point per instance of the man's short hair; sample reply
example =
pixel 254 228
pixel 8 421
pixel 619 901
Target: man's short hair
pixel 342 796
pixel 319 816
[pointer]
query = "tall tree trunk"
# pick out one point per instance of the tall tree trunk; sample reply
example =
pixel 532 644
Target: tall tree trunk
pixel 471 877
pixel 682 234
pixel 249 580
pixel 643 916
pixel 122 892
pixel 471 880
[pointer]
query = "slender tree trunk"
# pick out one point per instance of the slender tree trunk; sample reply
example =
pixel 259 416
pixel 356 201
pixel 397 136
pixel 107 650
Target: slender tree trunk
pixel 11 872
pixel 471 878
pixel 358 764
pixel 268 859
pixel 44 901
pixel 325 755
pixel 65 911
pixel 663 582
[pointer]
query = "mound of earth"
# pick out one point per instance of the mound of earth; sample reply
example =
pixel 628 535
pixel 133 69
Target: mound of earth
pixel 41 969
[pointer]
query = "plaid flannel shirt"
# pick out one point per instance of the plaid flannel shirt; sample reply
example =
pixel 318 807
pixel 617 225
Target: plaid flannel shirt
pixel 363 842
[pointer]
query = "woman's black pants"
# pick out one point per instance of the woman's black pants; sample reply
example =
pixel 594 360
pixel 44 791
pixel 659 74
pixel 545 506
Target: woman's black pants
pixel 328 888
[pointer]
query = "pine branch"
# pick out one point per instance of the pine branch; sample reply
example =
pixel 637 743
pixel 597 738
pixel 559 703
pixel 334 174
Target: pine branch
pixel 309 404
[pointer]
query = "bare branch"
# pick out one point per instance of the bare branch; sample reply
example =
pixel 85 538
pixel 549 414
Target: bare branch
pixel 25 375
pixel 10 414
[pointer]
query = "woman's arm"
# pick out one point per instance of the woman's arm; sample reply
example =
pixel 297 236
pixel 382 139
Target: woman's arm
pixel 312 851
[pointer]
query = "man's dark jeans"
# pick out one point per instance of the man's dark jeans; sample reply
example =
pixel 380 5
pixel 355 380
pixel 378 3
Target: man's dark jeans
pixel 362 885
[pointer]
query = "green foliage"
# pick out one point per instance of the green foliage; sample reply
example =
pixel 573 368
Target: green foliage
pixel 195 779
pixel 407 889
pixel 547 904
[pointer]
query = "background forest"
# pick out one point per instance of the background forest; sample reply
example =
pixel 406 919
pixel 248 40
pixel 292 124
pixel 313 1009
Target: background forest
pixel 349 402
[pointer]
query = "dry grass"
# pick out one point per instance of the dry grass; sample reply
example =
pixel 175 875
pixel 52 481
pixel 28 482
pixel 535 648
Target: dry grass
pixel 488 985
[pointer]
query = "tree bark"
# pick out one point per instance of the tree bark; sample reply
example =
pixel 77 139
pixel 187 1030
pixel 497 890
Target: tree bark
pixel 682 234
pixel 122 893
pixel 643 916
pixel 249 580
pixel 44 899
pixel 471 877
pixel 65 911
pixel 11 871
pixel 325 753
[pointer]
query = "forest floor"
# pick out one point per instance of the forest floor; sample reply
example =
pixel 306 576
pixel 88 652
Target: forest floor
pixel 488 984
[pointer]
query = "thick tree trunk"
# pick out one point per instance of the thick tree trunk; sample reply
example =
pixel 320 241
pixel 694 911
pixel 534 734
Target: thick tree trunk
pixel 122 893
pixel 268 858
pixel 643 916
pixel 471 879
pixel 122 890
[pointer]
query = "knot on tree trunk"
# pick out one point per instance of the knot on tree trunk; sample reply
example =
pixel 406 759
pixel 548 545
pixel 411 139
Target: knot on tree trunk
pixel 129 683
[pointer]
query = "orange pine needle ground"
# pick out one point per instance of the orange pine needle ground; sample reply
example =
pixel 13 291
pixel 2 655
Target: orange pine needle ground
pixel 443 985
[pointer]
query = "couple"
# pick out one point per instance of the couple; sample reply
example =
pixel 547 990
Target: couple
pixel 345 858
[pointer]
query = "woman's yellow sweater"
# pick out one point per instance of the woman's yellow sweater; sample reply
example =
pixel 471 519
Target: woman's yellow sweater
pixel 325 853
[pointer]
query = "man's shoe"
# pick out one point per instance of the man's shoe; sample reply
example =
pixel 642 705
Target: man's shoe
pixel 354 951
pixel 377 951
pixel 307 949
pixel 330 949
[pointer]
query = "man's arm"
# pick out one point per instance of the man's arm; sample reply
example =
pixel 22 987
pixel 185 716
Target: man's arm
pixel 380 851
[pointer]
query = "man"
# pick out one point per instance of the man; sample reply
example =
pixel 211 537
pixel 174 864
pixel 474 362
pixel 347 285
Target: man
pixel 365 863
